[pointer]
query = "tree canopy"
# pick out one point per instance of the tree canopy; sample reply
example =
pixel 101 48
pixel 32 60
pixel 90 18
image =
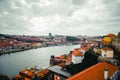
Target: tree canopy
pixel 71 38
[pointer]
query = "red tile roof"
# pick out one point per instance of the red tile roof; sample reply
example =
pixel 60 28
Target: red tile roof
pixel 26 78
pixel 95 72
pixel 77 48
pixel 84 48
pixel 77 53
pixel 107 48
pixel 110 35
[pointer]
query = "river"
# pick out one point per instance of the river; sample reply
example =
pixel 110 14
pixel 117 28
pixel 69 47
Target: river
pixel 11 64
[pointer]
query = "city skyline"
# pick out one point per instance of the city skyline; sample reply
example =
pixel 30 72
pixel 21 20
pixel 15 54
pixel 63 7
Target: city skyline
pixel 64 17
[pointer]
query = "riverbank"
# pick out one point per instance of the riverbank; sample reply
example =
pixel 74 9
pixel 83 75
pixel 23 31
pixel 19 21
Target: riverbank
pixel 17 50
pixel 29 48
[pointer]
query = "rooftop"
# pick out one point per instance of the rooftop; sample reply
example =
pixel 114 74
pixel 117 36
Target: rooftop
pixel 110 35
pixel 107 48
pixel 84 48
pixel 77 53
pixel 59 70
pixel 95 72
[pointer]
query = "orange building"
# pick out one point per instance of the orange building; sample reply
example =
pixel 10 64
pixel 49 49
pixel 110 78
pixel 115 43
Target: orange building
pixel 95 72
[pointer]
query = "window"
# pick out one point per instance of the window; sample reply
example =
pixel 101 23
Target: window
pixel 105 55
pixel 105 51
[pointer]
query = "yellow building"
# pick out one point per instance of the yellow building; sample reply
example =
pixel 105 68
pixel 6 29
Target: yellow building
pixel 106 40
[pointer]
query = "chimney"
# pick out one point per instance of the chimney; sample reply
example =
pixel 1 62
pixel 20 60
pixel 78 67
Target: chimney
pixel 106 73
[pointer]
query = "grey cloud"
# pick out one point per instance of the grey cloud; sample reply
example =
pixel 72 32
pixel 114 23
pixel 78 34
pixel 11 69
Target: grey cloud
pixel 16 16
pixel 78 2
pixel 32 1
pixel 10 20
pixel 5 6
pixel 14 23
pixel 113 6
pixel 116 10
pixel 59 8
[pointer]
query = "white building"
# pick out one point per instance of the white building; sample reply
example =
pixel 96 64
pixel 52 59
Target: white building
pixel 77 57
pixel 107 52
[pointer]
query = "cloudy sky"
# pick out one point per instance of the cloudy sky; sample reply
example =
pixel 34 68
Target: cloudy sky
pixel 66 17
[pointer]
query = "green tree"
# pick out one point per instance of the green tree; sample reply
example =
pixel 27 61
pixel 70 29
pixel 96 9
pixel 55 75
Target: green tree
pixel 71 38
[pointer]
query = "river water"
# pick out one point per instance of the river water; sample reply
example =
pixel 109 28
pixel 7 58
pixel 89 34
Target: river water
pixel 11 64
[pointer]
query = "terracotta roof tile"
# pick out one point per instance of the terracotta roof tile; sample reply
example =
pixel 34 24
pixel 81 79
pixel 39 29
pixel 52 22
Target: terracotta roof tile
pixel 84 48
pixel 110 35
pixel 26 78
pixel 107 48
pixel 77 53
pixel 95 72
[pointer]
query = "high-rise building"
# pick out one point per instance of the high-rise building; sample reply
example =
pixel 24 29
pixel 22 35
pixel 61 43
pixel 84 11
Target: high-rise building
pixel 50 35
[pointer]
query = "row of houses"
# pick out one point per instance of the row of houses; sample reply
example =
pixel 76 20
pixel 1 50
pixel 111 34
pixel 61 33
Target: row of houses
pixel 106 69
pixel 11 45
pixel 58 70
pixel 103 70
pixel 76 56
pixel 106 52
